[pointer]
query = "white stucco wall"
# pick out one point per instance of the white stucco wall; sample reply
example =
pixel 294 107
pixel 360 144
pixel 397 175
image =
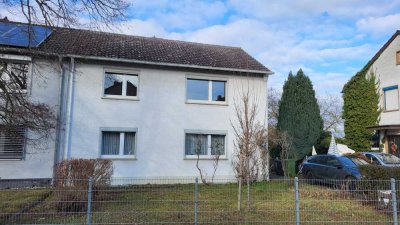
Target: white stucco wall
pixel 161 116
pixel 388 74
pixel 43 86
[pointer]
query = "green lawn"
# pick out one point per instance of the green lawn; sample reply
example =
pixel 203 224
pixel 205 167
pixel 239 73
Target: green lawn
pixel 272 203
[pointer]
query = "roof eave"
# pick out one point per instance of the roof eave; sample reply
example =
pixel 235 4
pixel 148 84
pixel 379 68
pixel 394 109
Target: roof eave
pixel 99 58
pixel 266 72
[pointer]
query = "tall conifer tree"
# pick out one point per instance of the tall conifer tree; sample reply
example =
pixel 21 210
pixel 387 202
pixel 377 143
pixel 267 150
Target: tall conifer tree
pixel 299 114
pixel 360 110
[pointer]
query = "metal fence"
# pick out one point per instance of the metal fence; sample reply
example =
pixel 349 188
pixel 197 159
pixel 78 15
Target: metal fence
pixel 187 201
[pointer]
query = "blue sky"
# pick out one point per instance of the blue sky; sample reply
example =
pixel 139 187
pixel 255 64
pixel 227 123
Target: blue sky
pixel 329 40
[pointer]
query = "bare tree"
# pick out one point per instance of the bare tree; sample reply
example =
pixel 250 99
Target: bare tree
pixel 248 139
pixel 68 13
pixel 274 96
pixel 283 141
pixel 17 108
pixel 201 148
pixel 331 112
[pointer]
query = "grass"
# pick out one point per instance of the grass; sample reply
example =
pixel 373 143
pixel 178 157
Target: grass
pixel 272 202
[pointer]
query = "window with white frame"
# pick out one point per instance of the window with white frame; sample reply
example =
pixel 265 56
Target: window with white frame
pixel 391 98
pixel 115 143
pixel 12 142
pixel 204 144
pixel 398 58
pixel 121 84
pixel 15 76
pixel 206 90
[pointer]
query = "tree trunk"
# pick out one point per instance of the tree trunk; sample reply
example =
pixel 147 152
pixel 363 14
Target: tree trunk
pixel 240 194
pixel 248 192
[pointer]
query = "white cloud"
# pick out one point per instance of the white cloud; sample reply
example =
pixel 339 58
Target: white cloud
pixel 379 26
pixel 147 28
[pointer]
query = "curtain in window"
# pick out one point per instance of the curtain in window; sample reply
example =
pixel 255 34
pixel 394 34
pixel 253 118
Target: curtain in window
pixel 217 144
pixel 110 145
pixel 129 143
pixel 196 144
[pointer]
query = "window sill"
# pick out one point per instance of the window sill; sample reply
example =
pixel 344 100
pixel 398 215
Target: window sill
pixel 118 157
pixel 11 159
pixel 199 102
pixel 121 98
pixel 187 157
pixel 394 110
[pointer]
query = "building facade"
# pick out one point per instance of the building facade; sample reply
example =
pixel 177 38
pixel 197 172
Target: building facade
pixel 386 66
pixel 152 106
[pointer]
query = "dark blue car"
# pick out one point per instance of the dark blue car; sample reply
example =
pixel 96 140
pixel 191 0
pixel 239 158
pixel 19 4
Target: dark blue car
pixel 332 167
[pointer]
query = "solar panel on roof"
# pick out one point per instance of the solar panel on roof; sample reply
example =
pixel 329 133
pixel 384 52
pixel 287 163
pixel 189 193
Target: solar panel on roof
pixel 22 35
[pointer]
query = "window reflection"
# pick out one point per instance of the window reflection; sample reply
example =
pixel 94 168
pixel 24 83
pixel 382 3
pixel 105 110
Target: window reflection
pixel 218 91
pixel 121 84
pixel 113 84
pixel 131 85
pixel 197 89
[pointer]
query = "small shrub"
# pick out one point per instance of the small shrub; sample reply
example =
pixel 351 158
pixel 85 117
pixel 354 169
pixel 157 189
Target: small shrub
pixel 374 172
pixel 71 183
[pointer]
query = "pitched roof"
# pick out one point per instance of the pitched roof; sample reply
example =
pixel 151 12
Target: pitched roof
pixel 78 42
pixel 383 48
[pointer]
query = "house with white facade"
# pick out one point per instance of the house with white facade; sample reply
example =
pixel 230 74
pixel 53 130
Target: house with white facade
pixel 139 101
pixel 386 66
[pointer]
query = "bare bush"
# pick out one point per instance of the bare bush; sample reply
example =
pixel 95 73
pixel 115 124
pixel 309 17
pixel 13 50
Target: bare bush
pixel 72 180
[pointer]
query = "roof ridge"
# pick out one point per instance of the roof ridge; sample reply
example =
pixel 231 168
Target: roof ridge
pixel 120 34
pixel 146 37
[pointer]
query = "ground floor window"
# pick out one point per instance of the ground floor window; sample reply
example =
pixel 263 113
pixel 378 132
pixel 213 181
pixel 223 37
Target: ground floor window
pixel 12 142
pixel 117 143
pixel 204 144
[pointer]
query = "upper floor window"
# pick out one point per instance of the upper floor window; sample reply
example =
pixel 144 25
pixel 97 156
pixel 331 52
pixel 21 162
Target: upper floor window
pixel 391 98
pixel 118 144
pixel 398 58
pixel 12 142
pixel 206 90
pixel 204 144
pixel 15 75
pixel 121 84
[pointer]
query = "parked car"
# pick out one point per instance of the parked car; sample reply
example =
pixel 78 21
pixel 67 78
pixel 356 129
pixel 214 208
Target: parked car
pixel 382 159
pixel 331 167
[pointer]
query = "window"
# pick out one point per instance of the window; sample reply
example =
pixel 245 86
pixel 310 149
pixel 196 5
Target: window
pixel 118 144
pixel 206 90
pixel 119 84
pixel 16 76
pixel 391 98
pixel 12 143
pixel 398 58
pixel 331 161
pixel 204 144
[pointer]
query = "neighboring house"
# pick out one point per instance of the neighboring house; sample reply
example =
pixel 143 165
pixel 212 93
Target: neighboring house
pixel 386 65
pixel 142 102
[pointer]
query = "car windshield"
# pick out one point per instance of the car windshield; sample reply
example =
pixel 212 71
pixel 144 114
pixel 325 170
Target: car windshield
pixel 359 162
pixel 347 162
pixel 388 158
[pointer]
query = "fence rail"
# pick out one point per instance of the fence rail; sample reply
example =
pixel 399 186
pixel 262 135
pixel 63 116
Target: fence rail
pixel 186 201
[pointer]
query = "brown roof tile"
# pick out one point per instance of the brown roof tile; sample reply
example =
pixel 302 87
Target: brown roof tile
pixel 149 49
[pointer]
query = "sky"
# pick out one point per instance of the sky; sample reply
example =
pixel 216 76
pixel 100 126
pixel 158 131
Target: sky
pixel 329 40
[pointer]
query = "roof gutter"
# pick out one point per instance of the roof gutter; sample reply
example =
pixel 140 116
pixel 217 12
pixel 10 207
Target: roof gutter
pixel 166 64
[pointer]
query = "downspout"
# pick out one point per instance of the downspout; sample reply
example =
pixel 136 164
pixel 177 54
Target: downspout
pixel 267 166
pixel 69 109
